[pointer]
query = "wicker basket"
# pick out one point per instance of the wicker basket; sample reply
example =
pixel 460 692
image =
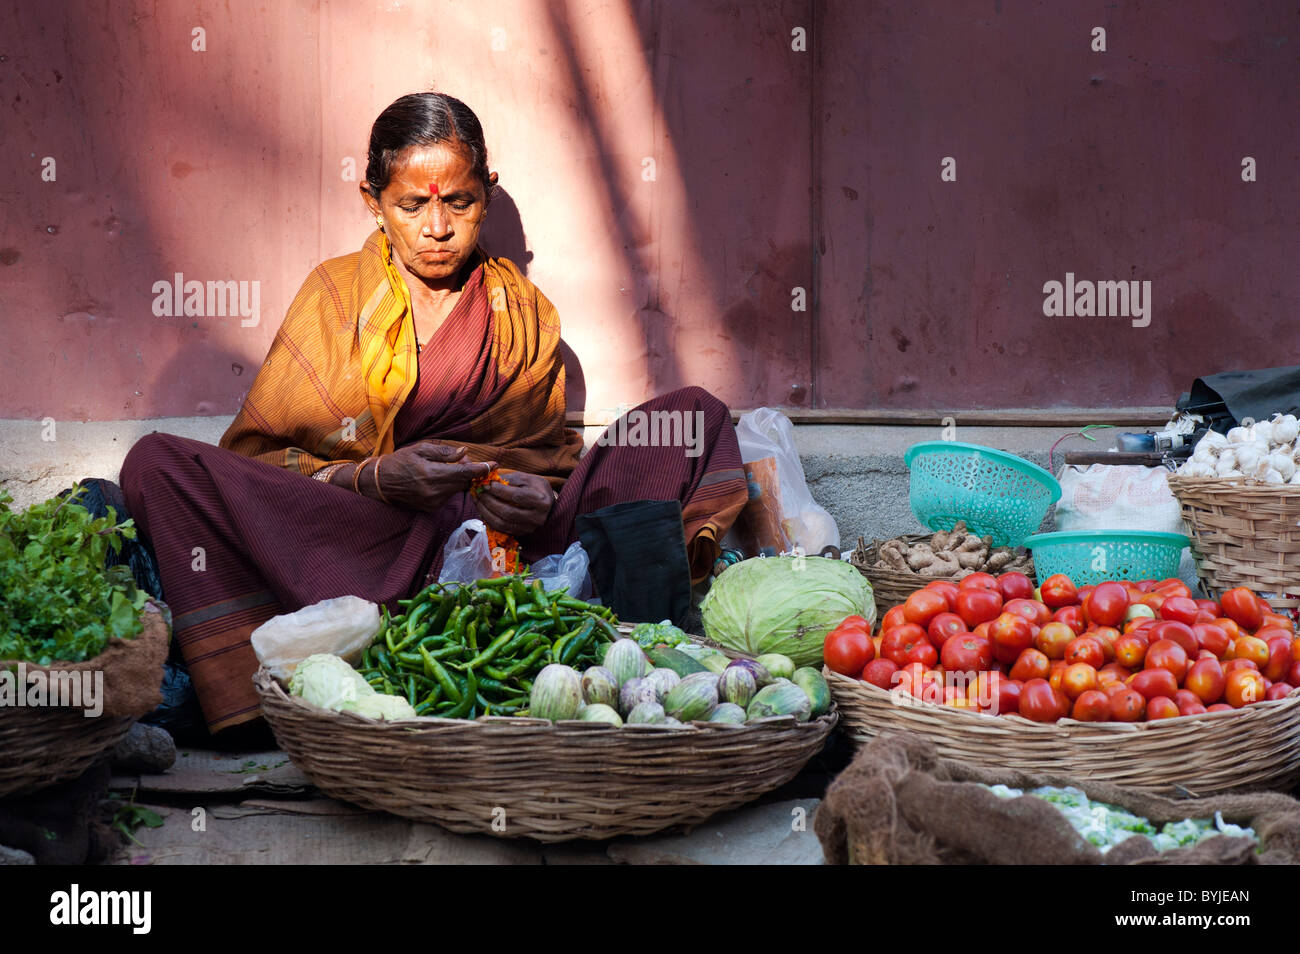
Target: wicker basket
pixel 43 747
pixel 890 587
pixel 1243 535
pixel 529 778
pixel 1254 747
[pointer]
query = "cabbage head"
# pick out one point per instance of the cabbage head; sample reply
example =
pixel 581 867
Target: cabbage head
pixel 327 681
pixel 784 605
pixel 380 706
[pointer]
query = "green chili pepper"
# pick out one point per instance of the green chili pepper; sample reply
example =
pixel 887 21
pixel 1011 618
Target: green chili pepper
pixel 444 679
pixel 577 640
pixel 525 664
pixel 494 647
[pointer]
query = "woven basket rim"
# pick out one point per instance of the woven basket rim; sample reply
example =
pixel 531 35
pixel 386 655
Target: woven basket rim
pixel 1072 726
pixel 1231 485
pixel 266 684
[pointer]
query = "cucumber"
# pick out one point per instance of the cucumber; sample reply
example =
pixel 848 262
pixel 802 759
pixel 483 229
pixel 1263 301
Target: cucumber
pixel 662 657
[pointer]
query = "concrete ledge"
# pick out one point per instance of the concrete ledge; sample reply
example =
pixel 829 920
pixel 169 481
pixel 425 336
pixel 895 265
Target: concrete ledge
pixel 854 471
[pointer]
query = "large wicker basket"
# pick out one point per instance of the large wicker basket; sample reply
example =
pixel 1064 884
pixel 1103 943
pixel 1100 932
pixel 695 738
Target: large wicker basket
pixel 1256 747
pixel 529 778
pixel 1244 534
pixel 43 747
pixel 890 587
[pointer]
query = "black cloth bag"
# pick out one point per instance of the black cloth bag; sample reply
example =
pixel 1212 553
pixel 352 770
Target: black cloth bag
pixel 1225 399
pixel 638 559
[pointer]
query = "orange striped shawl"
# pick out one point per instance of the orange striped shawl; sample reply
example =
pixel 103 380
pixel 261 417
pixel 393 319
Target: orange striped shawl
pixel 344 362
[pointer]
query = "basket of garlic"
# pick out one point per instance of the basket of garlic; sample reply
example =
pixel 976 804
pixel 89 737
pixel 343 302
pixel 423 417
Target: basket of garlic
pixel 1240 496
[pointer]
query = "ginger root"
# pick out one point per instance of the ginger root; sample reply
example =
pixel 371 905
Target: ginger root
pixel 943 564
pixel 920 556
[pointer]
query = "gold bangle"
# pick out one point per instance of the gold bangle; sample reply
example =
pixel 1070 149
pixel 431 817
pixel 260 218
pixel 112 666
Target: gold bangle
pixel 378 489
pixel 356 475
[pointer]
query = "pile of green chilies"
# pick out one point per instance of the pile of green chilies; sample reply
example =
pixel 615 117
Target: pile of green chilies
pixel 464 651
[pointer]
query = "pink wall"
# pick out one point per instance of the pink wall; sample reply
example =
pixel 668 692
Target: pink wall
pixel 227 165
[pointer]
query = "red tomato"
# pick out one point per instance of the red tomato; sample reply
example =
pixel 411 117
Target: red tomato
pixel 880 673
pixel 1011 635
pixel 1131 651
pixel 1091 706
pixel 1112 672
pixel 1015 586
pixel 1057 591
pixel 1077 679
pixel 1213 637
pixel 1234 664
pixel 1242 607
pixel 1243 686
pixel 1219 707
pixel 899 641
pixel 1274 621
pixel 1107 604
pixel 893 617
pixel 967 652
pixel 977 605
pixel 1053 638
pixel 1279 690
pixel 996 694
pixel 1154 682
pixel 1071 616
pixel 1293 674
pixel 980 581
pixel 1206 679
pixel 1107 636
pixel 1167 654
pixel 924 653
pixel 1031 664
pixel 1161 707
pixel 1279 657
pixel 848 648
pixel 1252 648
pixel 1230 627
pixel 923 606
pixel 1180 609
pixel 1210 606
pixel 1085 649
pixel 1180 633
pixel 1153 601
pixel 1171 587
pixel 1192 708
pixel 1032 610
pixel 1038 701
pixel 1184 697
pixel 1112 687
pixel 1127 705
pixel 1145 585
pixel 943 626
pixel 949 591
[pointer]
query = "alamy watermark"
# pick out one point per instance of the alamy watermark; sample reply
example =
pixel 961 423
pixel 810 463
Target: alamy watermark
pixel 41 688
pixel 194 299
pixel 1088 299
pixel 639 428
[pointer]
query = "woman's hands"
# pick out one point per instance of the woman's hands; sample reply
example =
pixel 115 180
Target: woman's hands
pixel 518 507
pixel 423 476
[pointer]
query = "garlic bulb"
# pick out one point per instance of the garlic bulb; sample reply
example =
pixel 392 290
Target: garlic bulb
pixel 1260 470
pixel 1227 461
pixel 1238 435
pixel 1286 429
pixel 1281 462
pixel 1215 440
pixel 1204 453
pixel 1272 477
pixel 1295 478
pixel 1196 469
pixel 1262 431
pixel 1249 457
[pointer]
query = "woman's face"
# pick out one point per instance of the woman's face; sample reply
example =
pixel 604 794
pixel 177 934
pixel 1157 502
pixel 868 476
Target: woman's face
pixel 433 208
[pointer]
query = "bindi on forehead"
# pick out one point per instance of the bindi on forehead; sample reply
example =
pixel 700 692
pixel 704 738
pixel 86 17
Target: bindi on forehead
pixel 433 188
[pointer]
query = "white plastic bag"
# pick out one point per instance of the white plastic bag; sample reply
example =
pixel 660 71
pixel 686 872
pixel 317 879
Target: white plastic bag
pixel 1122 497
pixel 343 626
pixel 466 556
pixel 565 569
pixel 765 432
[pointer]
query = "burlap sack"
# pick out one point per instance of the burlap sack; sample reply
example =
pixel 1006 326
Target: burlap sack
pixel 133 668
pixel 899 803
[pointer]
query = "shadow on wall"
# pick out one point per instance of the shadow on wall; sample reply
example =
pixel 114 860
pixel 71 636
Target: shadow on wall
pixel 503 237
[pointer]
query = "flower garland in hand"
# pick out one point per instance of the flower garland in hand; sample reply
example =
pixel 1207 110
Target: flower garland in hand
pixel 498 542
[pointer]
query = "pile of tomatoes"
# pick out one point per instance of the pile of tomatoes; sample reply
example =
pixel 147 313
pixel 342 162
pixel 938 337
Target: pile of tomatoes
pixel 1118 651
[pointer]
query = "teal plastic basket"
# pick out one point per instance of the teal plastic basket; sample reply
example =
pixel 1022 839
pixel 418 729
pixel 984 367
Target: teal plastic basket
pixel 1089 557
pixel 998 494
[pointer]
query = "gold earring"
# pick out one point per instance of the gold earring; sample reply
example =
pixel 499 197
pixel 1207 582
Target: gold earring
pixel 379 220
